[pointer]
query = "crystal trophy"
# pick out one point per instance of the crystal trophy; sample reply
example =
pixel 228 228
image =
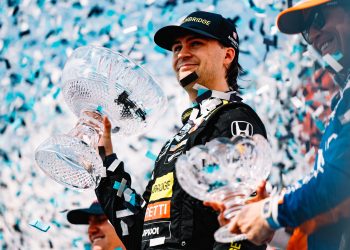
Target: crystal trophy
pixel 98 82
pixel 227 171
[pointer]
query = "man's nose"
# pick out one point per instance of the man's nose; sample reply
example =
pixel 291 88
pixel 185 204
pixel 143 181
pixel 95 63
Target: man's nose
pixel 184 52
pixel 93 228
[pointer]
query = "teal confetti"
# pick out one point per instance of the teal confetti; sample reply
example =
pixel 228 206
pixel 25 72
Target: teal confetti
pixel 160 50
pixel 151 156
pixel 121 19
pixel 105 30
pixel 56 223
pixel 99 109
pixel 297 48
pixel 76 240
pixel 337 56
pixel 319 124
pixel 38 225
pixel 258 10
pixel 58 90
pixel 77 5
pixel 148 175
pixel 132 199
pixel 290 65
pixel 216 185
pixel 116 185
pixel 111 13
pixel 211 168
pixel 201 91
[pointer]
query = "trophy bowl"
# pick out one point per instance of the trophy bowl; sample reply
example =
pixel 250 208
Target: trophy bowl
pixel 99 82
pixel 225 171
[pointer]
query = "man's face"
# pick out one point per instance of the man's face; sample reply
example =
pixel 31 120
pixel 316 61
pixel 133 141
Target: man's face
pixel 334 36
pixel 204 56
pixel 102 234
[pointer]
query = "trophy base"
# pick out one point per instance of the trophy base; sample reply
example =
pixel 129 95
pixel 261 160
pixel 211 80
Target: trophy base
pixel 70 161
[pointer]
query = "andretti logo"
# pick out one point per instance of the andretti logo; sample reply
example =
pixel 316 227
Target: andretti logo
pixel 158 210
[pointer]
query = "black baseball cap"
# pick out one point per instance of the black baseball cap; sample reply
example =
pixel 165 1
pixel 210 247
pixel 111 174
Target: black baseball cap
pixel 207 24
pixel 81 216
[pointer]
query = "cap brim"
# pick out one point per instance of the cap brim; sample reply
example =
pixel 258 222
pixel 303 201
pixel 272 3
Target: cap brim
pixel 166 36
pixel 291 20
pixel 81 216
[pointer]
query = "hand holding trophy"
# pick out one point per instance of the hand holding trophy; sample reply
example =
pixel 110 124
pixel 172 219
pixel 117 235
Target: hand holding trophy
pixel 98 82
pixel 227 171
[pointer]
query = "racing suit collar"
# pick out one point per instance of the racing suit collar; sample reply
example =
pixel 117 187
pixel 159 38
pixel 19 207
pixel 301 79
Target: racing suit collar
pixel 203 94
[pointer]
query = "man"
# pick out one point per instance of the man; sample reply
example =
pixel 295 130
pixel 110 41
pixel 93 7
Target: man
pixel 205 60
pixel 319 205
pixel 101 233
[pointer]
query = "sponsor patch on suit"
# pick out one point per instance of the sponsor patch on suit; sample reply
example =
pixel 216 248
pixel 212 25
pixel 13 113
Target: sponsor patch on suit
pixel 162 187
pixel 241 128
pixel 156 230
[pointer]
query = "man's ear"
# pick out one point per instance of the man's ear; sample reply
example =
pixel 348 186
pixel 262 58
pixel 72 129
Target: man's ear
pixel 229 56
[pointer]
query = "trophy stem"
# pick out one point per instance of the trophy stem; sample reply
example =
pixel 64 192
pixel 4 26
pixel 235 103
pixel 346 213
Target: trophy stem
pixel 234 197
pixel 89 128
pixel 73 159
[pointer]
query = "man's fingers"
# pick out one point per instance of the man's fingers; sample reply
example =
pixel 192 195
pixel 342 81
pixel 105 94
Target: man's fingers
pixel 107 125
pixel 261 190
pixel 222 220
pixel 106 140
pixel 233 226
pixel 217 206
pixel 261 193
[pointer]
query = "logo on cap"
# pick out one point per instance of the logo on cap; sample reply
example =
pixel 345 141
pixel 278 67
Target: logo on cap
pixel 233 39
pixel 234 34
pixel 197 20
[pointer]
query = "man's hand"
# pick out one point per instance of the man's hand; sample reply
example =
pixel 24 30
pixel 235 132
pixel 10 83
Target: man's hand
pixel 261 193
pixel 250 221
pixel 220 207
pixel 106 140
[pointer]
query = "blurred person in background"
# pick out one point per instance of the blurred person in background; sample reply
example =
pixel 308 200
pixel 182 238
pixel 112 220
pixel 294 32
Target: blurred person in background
pixel 101 233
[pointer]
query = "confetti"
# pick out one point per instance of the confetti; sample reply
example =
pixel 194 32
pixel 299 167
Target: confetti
pixel 37 37
pixel 39 225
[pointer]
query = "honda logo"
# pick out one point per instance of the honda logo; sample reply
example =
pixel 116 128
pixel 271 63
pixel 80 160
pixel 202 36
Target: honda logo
pixel 241 128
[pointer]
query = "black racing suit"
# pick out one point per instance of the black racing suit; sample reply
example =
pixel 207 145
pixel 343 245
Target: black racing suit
pixel 166 217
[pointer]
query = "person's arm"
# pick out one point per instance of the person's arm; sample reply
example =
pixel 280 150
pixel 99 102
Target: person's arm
pixel 324 195
pixel 123 206
pixel 321 195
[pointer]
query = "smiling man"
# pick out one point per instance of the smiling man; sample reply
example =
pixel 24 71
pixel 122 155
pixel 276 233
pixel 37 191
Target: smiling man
pixel 101 233
pixel 318 207
pixel 205 60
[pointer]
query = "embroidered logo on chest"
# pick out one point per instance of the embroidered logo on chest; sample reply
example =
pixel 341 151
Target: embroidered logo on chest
pixel 241 128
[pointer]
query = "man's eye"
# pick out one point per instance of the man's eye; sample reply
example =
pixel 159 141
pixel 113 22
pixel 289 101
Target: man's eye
pixel 195 43
pixel 176 48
